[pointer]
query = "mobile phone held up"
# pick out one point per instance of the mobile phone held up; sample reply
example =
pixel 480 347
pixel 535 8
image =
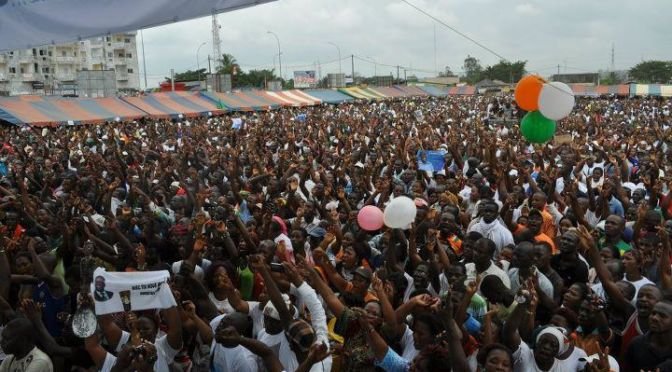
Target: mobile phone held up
pixel 278 268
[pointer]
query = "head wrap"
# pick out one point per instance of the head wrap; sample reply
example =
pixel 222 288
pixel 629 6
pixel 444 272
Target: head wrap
pixel 563 341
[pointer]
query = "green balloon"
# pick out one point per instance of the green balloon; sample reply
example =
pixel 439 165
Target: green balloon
pixel 537 128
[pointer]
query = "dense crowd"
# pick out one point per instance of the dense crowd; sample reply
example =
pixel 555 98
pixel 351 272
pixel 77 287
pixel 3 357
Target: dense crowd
pixel 522 257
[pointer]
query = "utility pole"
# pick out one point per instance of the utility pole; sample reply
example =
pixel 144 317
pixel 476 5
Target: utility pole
pixel 397 72
pixel 405 80
pixel 144 61
pixel 172 80
pixel 436 68
pixel 209 66
pixel 352 60
pixel 558 69
pixel 613 68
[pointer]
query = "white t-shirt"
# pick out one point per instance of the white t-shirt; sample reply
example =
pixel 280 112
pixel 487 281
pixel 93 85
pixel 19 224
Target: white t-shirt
pixel 224 307
pixel 236 358
pixel 408 347
pixel 638 284
pixel 2 353
pixel 34 361
pixel 523 361
pixel 164 352
pixel 198 270
pixel 281 348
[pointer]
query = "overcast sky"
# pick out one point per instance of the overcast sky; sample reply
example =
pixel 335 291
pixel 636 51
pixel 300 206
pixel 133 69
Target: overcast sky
pixel 576 34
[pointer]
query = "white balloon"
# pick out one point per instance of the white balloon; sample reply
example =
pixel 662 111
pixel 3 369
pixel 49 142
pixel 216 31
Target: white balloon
pixel 556 100
pixel 400 213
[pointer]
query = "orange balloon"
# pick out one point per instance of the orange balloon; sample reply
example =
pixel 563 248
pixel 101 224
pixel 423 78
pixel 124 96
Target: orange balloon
pixel 527 92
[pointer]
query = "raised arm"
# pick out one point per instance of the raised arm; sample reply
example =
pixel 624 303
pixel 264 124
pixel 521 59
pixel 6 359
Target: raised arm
pixel 664 261
pixel 615 296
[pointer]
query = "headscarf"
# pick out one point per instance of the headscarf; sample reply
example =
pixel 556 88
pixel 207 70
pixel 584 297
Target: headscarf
pixel 563 341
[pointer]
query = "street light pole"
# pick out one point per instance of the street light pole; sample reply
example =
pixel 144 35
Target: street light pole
pixel 198 67
pixel 277 39
pixel 339 56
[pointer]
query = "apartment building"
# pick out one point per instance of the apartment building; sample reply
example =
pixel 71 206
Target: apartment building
pixel 53 69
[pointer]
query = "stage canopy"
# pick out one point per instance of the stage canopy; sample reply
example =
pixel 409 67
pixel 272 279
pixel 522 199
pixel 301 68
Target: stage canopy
pixel 28 24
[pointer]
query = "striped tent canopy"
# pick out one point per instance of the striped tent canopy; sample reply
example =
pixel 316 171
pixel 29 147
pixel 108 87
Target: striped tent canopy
pixel 328 95
pixel 259 98
pixel 172 104
pixel 435 91
pixel 411 90
pixel 294 98
pixel 619 90
pixel 651 90
pixel 361 93
pixel 50 111
pixel 231 102
pixel 581 90
pixel 462 91
pixel 390 92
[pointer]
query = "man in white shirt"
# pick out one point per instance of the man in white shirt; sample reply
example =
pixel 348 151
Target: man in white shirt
pixel 490 227
pixel 227 357
pixel 18 343
pixel 483 254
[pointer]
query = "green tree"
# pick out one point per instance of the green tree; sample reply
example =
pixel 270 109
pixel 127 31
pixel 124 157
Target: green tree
pixel 473 70
pixel 447 72
pixel 228 65
pixel 506 71
pixel 609 79
pixel 189 75
pixel 652 72
pixel 254 78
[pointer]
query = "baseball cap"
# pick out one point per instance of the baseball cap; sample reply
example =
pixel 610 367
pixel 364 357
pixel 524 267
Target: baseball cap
pixel 363 272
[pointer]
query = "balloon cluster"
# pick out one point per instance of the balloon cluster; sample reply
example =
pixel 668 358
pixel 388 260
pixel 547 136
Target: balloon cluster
pixel 545 102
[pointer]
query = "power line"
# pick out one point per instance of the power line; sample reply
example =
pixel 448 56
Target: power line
pixel 455 30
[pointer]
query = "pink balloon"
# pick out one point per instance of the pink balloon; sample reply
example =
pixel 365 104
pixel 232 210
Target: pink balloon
pixel 370 218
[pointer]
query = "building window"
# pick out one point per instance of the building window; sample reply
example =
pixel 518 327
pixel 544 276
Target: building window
pixel 34 52
pixel 41 52
pixel 45 70
pixel 121 55
pixel 127 40
pixel 63 53
pixel 23 70
pixel 11 53
pixel 109 54
pixel 107 38
pixel 130 70
pixel 12 70
pixel 50 54
pixel 74 54
pixel 129 55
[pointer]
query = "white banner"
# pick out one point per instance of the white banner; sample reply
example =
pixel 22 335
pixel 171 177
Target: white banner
pixel 116 292
pixel 27 24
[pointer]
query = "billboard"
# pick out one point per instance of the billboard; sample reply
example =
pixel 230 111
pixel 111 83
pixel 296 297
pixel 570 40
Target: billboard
pixel 305 79
pixel 27 24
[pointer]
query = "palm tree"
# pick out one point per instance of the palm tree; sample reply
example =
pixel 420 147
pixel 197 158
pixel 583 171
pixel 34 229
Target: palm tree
pixel 228 65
